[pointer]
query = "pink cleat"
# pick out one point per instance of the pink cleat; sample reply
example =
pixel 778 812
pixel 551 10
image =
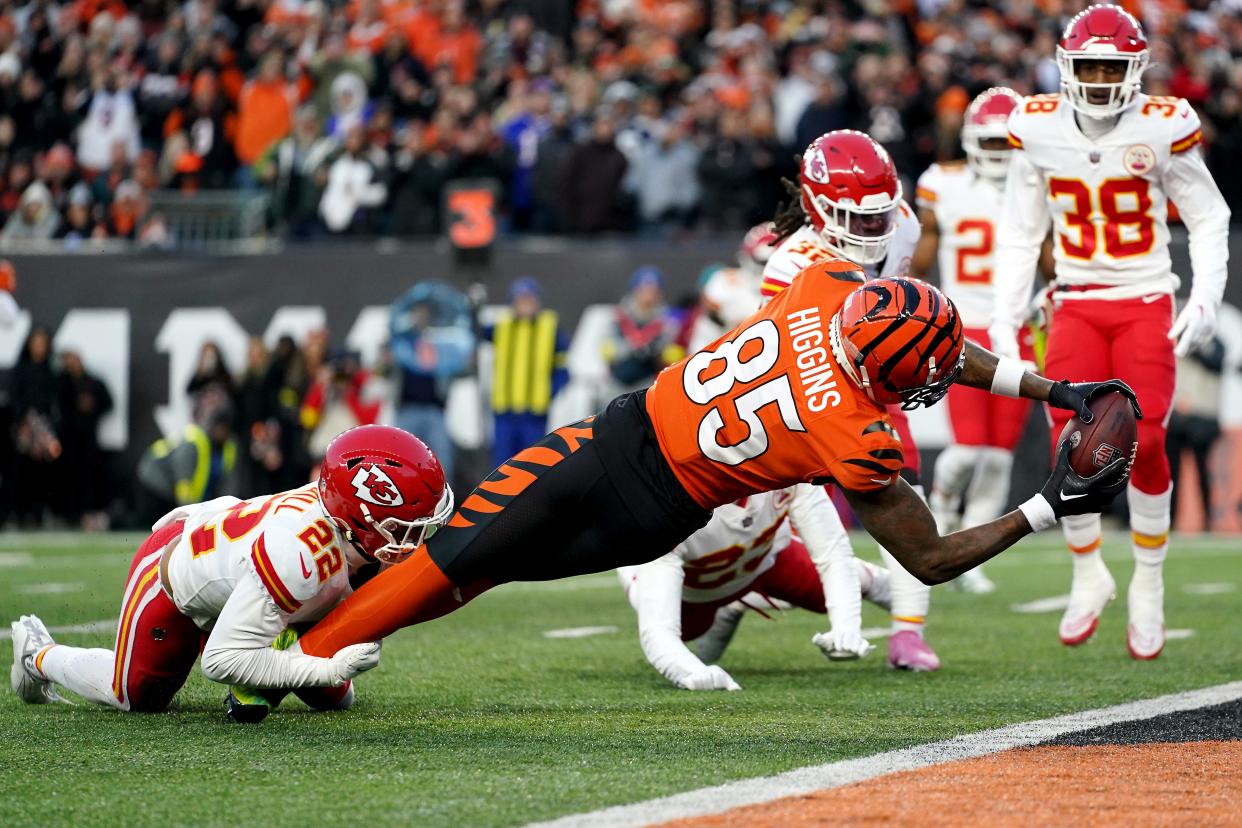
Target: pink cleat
pixel 908 651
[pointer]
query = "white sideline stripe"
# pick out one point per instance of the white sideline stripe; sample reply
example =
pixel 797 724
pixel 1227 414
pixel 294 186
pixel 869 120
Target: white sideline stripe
pixel 1053 604
pixel 105 625
pixel 579 632
pixel 15 559
pixel 1219 588
pixel 875 632
pixel 807 780
pixel 1177 635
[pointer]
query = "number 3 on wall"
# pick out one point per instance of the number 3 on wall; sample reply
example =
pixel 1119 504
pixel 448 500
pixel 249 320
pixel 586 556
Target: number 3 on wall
pixel 776 390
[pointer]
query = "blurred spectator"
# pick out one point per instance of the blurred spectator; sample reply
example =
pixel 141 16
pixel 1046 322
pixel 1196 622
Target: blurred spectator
pixel 419 173
pixel 596 172
pixel 643 339
pixel 432 341
pixel 127 211
pixel 824 113
pixel 35 217
pixel 208 123
pixel 522 134
pixel 1194 423
pixel 83 400
pixel 111 120
pixel 36 415
pixel 80 223
pixel 197 466
pixel 337 401
pixel 665 181
pixel 353 187
pixel 162 89
pixel 295 170
pixel 350 107
pixel 211 385
pixel 264 110
pixel 528 369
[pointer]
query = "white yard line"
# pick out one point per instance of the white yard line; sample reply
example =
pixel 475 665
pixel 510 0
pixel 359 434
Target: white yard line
pixel 579 632
pixel 803 781
pixel 1219 588
pixel 1053 604
pixel 51 588
pixel 107 625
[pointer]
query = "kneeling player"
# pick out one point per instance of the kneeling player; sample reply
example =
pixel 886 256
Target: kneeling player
pixel 227 577
pixel 748 548
pixel 795 393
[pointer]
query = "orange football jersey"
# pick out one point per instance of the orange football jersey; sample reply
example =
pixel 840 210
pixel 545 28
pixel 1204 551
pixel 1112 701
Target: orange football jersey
pixel 766 405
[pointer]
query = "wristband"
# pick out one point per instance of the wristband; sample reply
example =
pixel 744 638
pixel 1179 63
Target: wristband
pixel 1008 377
pixel 1038 512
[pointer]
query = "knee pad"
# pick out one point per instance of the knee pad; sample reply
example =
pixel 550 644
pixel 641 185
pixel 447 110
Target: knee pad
pixel 953 468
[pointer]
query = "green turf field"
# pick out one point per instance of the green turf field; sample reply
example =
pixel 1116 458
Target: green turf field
pixel 479 719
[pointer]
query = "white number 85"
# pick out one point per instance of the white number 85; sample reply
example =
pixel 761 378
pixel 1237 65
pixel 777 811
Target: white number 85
pixel 776 390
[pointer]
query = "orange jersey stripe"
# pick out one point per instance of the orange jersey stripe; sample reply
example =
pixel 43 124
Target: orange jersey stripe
pixel 539 455
pixel 271 581
pixel 515 480
pixel 925 194
pixel 478 504
pixel 1188 142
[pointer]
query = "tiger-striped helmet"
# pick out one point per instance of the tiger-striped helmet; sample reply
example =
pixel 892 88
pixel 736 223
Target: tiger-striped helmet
pixel 900 340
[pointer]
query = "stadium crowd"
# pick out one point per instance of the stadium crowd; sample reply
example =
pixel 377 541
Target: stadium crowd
pixel 660 116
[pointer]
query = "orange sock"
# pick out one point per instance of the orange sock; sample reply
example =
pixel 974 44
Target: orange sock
pixel 411 592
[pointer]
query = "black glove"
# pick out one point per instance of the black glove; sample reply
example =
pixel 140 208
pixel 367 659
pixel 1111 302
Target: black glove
pixel 1075 396
pixel 1069 493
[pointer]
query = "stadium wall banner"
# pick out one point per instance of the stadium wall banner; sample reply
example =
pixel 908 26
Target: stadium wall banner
pixel 140 321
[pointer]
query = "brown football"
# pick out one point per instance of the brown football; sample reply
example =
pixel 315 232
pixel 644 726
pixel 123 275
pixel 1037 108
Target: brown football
pixel 1112 433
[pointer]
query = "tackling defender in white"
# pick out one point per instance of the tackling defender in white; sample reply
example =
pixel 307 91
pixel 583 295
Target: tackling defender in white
pixel 748 548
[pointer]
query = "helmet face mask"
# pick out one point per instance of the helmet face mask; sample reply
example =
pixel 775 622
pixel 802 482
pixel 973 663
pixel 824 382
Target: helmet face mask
pixel 1102 34
pixel 985 132
pixel 385 489
pixel 900 341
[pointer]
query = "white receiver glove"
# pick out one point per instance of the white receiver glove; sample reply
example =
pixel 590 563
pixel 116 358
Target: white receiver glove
pixel 354 660
pixel 708 678
pixel 1194 326
pixel 842 646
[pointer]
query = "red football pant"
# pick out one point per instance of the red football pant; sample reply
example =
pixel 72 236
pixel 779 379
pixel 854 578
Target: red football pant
pixel 980 418
pixel 155 644
pixel 1094 339
pixel 792 578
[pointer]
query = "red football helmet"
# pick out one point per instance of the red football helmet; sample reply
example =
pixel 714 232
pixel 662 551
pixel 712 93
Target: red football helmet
pixel 987 117
pixel 385 488
pixel 851 194
pixel 900 340
pixel 1102 33
pixel 757 247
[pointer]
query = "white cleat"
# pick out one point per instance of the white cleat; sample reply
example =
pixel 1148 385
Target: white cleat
pixel 974 582
pixel 710 646
pixel 1088 598
pixel 1145 633
pixel 30 636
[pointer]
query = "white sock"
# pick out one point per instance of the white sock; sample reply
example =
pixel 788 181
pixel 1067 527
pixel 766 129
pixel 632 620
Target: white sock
pixel 1083 535
pixel 874 583
pixel 1150 519
pixel 952 474
pixel 909 597
pixel 87 672
pixel 989 487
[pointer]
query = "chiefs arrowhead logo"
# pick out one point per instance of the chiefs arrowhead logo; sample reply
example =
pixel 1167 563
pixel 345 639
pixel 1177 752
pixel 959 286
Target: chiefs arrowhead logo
pixel 372 484
pixel 814 165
